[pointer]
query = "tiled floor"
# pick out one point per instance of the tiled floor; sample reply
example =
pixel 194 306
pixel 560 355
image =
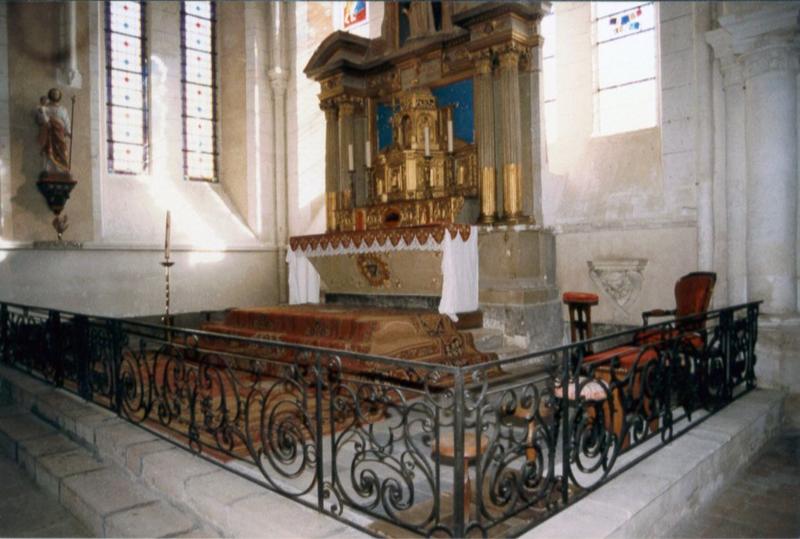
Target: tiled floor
pixel 28 511
pixel 764 501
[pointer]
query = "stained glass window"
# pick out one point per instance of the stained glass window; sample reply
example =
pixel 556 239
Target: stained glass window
pixel 198 23
pixel 626 66
pixel 126 87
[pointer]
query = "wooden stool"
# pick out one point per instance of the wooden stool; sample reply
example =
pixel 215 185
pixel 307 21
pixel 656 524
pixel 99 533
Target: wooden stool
pixel 447 450
pixel 580 315
pixel 521 414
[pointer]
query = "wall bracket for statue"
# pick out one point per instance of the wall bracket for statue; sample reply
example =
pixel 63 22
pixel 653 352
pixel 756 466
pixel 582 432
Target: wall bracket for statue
pixel 619 279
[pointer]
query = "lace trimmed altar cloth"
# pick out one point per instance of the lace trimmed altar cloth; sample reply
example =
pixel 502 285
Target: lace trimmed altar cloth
pixel 456 245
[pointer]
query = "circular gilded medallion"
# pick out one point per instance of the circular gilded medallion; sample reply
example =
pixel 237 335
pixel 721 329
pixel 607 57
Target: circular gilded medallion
pixel 373 268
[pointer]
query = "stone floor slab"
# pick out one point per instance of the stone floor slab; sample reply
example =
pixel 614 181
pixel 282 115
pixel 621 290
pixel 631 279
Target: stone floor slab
pixel 94 495
pixel 52 469
pixel 156 520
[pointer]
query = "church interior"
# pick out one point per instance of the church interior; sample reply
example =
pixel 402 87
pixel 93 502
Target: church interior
pixel 457 184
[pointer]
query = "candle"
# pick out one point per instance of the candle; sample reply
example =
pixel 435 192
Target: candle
pixel 350 166
pixel 427 142
pixel 368 153
pixel 166 238
pixel 450 136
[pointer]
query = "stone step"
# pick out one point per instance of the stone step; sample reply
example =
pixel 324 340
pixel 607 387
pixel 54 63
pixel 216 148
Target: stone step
pixel 135 484
pixel 487 339
pixel 99 494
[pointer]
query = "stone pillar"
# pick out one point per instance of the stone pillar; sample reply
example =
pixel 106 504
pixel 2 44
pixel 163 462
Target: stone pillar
pixel 531 136
pixel 484 128
pixel 331 161
pixel 771 118
pixel 510 129
pixel 736 179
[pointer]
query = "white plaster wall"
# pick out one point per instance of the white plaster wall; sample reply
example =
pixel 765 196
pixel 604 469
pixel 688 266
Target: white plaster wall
pixel 130 282
pixel 630 195
pixel 5 154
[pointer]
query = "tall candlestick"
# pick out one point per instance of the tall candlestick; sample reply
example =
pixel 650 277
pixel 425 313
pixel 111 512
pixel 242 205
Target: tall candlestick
pixel 427 141
pixel 368 153
pixel 450 136
pixel 350 166
pixel 166 237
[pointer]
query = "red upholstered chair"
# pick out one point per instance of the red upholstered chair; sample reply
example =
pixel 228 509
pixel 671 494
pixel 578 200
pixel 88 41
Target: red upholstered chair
pixel 693 294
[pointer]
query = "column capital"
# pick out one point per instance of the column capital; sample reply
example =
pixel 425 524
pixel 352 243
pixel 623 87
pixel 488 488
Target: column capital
pixel 278 79
pixel 483 60
pixel 772 53
pixel 509 56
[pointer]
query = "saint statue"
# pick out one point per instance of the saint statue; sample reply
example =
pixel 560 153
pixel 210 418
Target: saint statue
pixel 420 18
pixel 54 128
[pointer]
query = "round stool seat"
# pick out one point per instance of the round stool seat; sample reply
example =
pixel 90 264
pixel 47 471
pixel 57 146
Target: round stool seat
pixel 448 450
pixel 594 390
pixel 581 298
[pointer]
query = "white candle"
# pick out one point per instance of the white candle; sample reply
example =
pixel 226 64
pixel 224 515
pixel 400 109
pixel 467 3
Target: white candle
pixel 450 136
pixel 350 166
pixel 166 237
pixel 427 142
pixel 368 152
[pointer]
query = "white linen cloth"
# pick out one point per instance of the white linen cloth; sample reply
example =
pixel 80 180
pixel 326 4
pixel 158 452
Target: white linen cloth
pixel 460 274
pixel 303 278
pixel 459 269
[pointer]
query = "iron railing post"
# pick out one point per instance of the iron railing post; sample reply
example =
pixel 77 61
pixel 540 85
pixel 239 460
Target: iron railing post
pixel 80 339
pixel 318 438
pixel 116 363
pixel 56 351
pixel 4 333
pixel 458 455
pixel 727 327
pixel 565 434
pixel 752 329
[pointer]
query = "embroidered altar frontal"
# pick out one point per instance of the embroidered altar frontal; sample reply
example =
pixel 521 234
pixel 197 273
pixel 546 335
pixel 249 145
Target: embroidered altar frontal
pixel 434 261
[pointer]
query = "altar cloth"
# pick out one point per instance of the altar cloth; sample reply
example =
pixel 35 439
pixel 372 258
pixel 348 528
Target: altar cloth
pixel 459 261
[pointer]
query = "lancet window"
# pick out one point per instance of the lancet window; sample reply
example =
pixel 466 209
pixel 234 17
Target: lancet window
pixel 199 83
pixel 126 87
pixel 625 54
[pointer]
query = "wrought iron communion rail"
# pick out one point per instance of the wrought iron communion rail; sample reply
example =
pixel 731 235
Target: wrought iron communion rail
pixel 395 446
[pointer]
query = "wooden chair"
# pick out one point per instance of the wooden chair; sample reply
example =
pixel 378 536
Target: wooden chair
pixel 693 294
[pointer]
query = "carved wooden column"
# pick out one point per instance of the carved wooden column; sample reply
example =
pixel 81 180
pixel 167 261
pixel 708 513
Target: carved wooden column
pixel 510 129
pixel 484 130
pixel 331 161
pixel 346 138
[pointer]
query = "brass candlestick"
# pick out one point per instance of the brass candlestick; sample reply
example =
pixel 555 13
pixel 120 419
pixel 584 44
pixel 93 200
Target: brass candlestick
pixel 167 263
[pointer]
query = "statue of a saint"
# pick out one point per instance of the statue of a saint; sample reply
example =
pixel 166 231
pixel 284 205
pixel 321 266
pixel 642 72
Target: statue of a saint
pixel 420 18
pixel 54 128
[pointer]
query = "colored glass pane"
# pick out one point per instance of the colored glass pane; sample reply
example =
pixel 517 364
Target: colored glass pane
pixel 199 90
pixel 126 87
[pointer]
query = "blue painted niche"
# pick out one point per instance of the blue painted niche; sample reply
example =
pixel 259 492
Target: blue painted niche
pixel 458 93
